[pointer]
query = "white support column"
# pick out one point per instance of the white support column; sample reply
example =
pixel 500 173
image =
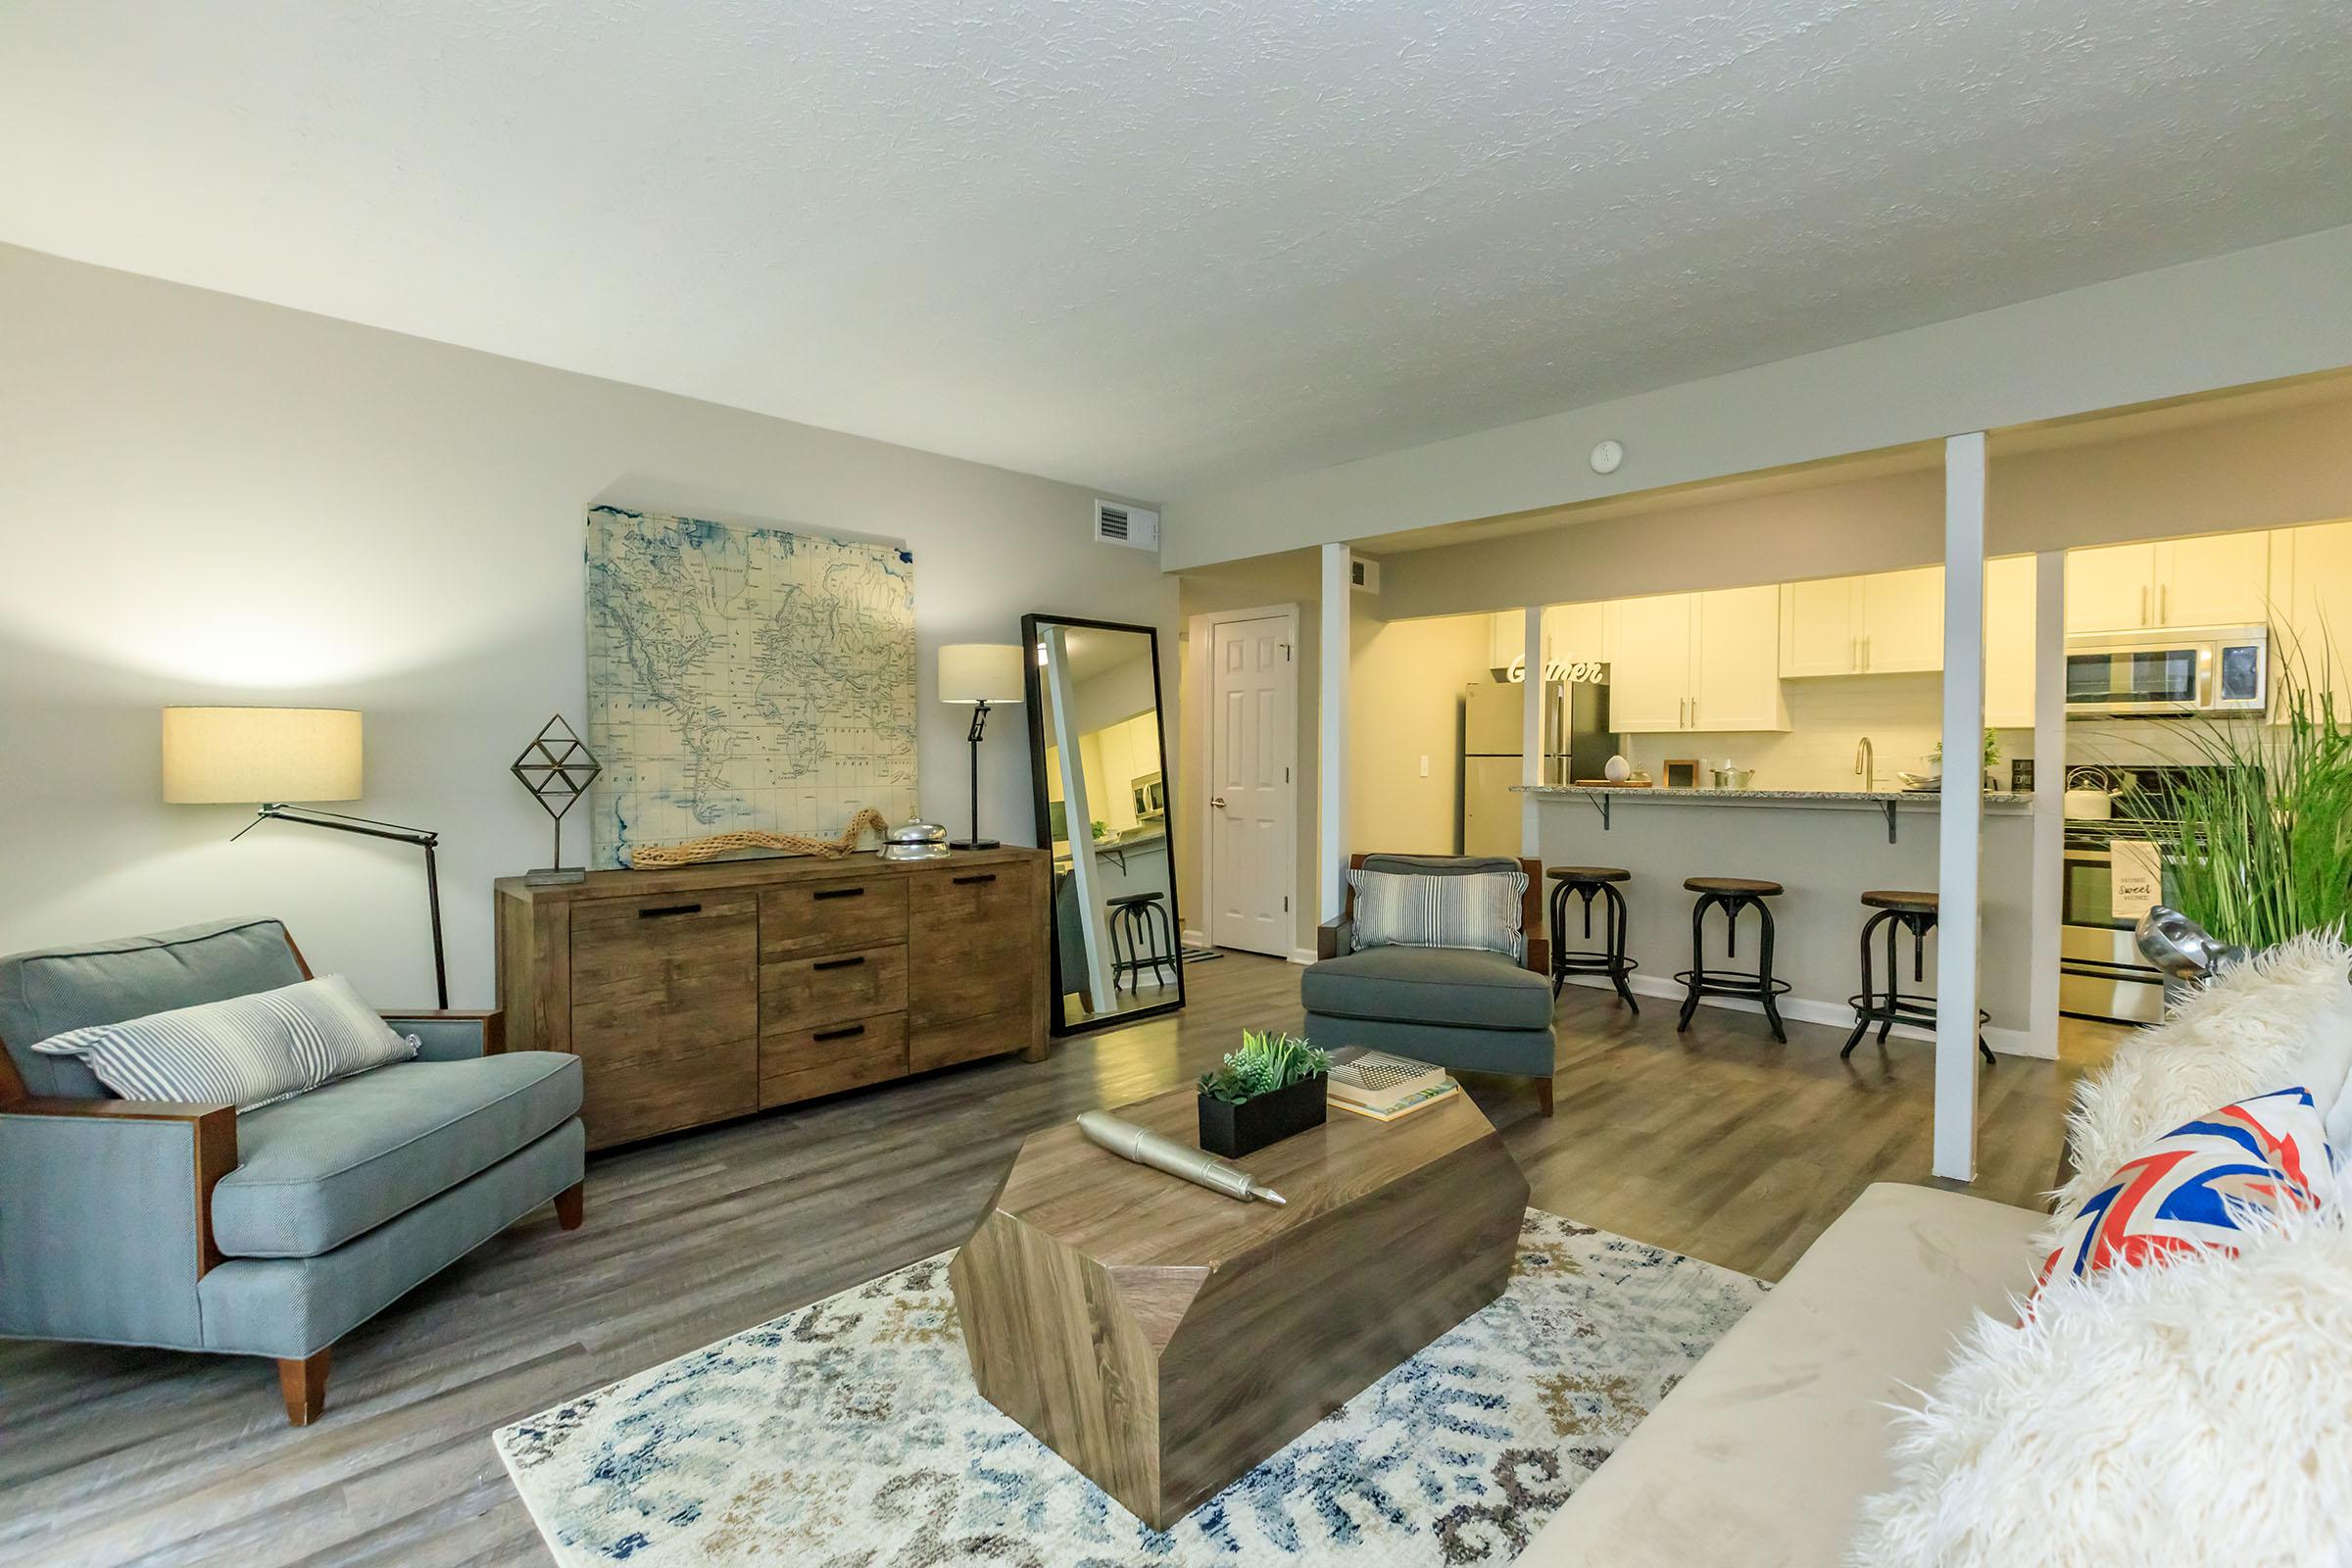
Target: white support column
pixel 1530 770
pixel 2049 800
pixel 1962 807
pixel 1331 712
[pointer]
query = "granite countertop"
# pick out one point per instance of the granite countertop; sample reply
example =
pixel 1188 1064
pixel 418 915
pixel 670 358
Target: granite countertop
pixel 1994 800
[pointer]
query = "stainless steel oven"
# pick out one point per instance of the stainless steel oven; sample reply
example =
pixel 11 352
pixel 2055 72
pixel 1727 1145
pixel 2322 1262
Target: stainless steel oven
pixel 2168 672
pixel 2100 972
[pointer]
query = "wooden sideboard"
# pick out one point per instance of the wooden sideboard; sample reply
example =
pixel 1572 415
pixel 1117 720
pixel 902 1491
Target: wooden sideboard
pixel 694 995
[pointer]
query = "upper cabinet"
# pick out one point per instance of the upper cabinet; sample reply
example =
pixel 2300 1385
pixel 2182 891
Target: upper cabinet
pixel 2009 642
pixel 1887 623
pixel 1650 672
pixel 2219 579
pixel 1695 661
pixel 2314 643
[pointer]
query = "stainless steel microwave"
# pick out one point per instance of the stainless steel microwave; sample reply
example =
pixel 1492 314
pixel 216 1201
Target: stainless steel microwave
pixel 2168 671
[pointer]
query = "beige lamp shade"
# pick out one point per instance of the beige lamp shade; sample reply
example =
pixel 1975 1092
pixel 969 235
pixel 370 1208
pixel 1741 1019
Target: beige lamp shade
pixel 980 673
pixel 249 756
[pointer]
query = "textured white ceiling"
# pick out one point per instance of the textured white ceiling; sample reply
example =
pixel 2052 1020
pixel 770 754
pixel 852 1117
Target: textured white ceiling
pixel 1171 246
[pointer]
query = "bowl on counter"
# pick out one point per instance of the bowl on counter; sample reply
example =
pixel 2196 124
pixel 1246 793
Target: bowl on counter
pixel 1733 778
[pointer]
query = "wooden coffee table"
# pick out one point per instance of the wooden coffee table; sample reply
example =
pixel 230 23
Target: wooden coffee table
pixel 1164 1339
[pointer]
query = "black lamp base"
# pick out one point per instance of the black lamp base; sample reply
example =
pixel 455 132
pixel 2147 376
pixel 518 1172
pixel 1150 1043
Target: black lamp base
pixel 972 843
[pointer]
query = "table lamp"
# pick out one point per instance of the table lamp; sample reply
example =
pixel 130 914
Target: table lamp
pixel 270 756
pixel 979 673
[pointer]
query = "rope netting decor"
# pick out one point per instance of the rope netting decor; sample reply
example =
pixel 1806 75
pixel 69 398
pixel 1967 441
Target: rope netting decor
pixel 646 856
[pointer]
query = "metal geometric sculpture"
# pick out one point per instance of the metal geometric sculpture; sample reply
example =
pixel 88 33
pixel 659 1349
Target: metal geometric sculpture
pixel 557 767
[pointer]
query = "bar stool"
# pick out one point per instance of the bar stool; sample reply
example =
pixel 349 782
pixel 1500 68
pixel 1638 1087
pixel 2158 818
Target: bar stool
pixel 1592 881
pixel 1905 911
pixel 1732 895
pixel 1137 922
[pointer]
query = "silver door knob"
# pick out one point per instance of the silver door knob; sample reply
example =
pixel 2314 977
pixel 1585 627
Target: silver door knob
pixel 1217 800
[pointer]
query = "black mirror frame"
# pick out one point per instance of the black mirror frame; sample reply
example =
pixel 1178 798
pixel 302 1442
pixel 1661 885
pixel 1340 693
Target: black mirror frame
pixel 1030 627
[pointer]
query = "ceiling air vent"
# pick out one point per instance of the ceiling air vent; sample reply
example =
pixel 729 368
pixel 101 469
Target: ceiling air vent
pixel 1117 524
pixel 1363 574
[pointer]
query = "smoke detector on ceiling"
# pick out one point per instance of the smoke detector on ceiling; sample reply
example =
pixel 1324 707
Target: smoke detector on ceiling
pixel 1116 523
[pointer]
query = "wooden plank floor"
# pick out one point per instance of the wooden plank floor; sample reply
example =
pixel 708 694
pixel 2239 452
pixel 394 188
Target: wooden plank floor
pixel 1719 1144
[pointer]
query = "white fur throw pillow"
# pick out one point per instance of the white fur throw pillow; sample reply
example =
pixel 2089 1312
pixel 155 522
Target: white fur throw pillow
pixel 2281 1021
pixel 2190 1412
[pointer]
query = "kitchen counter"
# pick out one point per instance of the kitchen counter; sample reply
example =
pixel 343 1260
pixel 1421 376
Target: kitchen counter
pixel 1856 800
pixel 1826 848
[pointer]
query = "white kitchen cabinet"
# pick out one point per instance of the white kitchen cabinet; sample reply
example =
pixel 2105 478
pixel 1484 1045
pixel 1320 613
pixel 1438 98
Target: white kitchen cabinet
pixel 2220 579
pixel 1695 661
pixel 1576 634
pixel 1650 665
pixel 2009 642
pixel 2213 580
pixel 1901 620
pixel 1887 623
pixel 2314 643
pixel 1736 677
pixel 1818 636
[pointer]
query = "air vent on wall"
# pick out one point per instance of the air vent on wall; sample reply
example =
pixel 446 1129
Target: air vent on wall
pixel 1364 574
pixel 1118 525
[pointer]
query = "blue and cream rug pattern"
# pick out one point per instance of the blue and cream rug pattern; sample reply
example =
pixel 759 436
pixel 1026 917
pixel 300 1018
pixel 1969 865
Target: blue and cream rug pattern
pixel 849 1435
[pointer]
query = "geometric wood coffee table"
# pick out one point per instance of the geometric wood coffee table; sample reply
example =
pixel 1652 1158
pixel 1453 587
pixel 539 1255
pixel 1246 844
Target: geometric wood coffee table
pixel 1163 1339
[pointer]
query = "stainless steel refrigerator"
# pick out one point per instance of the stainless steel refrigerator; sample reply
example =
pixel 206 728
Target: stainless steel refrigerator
pixel 1577 744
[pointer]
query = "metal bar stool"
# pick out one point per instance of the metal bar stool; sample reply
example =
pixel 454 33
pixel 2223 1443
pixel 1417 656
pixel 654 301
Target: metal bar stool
pixel 1609 957
pixel 1914 912
pixel 1137 922
pixel 1732 895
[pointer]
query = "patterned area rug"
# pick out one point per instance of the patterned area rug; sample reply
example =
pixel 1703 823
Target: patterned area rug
pixel 849 1435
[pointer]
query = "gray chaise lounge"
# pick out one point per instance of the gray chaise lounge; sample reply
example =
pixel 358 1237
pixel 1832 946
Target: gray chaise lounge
pixel 1473 1011
pixel 190 1227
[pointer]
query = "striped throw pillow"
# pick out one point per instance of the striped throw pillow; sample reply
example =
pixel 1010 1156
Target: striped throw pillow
pixel 246 1051
pixel 1394 908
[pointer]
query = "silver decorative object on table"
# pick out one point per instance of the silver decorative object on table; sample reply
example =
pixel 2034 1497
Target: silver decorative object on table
pixel 2182 949
pixel 916 840
pixel 1147 1148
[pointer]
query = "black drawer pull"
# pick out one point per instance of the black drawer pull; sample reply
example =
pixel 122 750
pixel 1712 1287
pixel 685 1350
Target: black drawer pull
pixel 660 911
pixel 839 893
pixel 984 876
pixel 850 1033
pixel 840 964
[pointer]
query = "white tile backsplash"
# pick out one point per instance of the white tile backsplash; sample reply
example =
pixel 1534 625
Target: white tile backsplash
pixel 1902 714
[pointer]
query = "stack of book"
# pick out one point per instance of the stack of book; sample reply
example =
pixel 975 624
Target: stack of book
pixel 1375 1084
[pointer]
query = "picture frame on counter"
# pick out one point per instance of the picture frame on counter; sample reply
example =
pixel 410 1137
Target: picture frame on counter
pixel 1681 772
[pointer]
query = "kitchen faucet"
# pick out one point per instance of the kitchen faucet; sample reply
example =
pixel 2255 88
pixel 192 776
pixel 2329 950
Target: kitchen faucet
pixel 1866 764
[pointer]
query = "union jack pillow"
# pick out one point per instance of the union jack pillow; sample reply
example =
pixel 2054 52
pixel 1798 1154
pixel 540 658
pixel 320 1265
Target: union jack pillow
pixel 2196 1186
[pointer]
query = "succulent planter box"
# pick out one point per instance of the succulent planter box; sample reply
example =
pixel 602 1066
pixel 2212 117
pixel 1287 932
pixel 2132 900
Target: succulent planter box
pixel 1233 1130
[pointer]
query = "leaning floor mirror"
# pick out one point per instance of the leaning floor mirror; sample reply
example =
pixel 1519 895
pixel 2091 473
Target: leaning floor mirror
pixel 1101 763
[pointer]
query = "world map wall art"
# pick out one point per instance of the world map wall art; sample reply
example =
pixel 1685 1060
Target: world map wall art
pixel 742 679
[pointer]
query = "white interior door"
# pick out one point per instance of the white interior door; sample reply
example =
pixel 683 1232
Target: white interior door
pixel 1253 803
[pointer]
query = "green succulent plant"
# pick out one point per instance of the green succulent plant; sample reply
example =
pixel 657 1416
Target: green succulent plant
pixel 1268 1060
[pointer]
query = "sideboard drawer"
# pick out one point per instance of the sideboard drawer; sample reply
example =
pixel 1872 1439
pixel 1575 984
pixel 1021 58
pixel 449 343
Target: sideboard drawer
pixel 943 1044
pixel 639 1100
pixel 658 978
pixel 803 1063
pixel 983 944
pixel 832 916
pixel 803 993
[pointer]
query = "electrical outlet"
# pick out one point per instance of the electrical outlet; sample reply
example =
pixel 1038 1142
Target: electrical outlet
pixel 1425 768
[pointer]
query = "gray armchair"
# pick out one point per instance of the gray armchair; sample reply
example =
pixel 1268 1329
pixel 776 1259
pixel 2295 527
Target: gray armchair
pixel 1474 1012
pixel 272 1233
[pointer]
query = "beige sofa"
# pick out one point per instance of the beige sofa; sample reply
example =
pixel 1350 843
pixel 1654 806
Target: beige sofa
pixel 1761 1455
